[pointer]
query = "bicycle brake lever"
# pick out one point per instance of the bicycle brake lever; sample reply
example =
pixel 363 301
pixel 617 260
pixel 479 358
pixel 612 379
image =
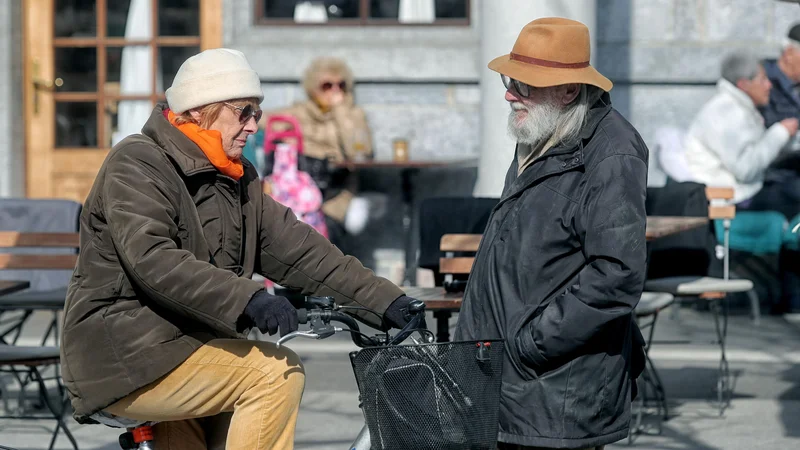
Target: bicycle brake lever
pixel 294 334
pixel 327 332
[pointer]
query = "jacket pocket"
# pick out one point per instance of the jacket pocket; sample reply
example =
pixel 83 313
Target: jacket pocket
pixel 542 401
pixel 522 359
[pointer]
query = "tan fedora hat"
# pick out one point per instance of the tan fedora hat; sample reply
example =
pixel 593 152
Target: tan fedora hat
pixel 550 52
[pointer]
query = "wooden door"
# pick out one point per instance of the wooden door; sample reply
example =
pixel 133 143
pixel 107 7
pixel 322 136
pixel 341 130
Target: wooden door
pixel 93 69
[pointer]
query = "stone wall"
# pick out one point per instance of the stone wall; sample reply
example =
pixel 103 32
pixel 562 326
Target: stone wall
pixel 664 55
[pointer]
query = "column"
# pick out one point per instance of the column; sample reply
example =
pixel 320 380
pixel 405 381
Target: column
pixel 12 128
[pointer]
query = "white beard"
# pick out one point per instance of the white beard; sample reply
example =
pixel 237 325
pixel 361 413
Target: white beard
pixel 539 124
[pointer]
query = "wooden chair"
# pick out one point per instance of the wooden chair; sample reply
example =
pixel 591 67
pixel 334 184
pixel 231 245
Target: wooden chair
pixel 450 264
pixel 444 300
pixel 712 289
pixel 646 315
pixel 28 302
pixel 25 362
pixel 31 358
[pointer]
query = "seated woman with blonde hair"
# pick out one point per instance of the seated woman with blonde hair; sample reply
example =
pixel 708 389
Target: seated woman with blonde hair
pixel 334 130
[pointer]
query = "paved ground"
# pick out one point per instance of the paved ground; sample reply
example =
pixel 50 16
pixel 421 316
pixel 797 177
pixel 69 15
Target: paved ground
pixel 764 414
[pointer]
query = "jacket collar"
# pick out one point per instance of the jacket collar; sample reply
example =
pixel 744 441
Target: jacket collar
pixel 186 154
pixel 780 80
pixel 560 158
pixel 727 88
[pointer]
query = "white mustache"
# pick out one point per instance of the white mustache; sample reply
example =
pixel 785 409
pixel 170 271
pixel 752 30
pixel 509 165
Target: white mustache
pixel 517 106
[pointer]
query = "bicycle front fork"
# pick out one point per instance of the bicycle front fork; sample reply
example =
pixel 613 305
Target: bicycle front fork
pixel 362 442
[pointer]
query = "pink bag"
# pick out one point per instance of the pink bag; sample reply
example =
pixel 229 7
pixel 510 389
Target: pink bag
pixel 288 185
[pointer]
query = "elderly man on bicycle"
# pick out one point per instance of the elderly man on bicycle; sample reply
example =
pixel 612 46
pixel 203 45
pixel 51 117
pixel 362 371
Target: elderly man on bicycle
pixel 171 233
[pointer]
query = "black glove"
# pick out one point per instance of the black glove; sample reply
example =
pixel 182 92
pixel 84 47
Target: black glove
pixel 397 315
pixel 268 312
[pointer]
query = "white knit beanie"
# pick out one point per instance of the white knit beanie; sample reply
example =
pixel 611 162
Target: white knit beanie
pixel 212 76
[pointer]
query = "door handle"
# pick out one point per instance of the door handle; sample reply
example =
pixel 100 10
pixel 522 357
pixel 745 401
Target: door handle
pixel 42 84
pixel 48 85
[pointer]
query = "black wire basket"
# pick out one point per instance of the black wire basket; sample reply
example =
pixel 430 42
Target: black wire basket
pixel 431 396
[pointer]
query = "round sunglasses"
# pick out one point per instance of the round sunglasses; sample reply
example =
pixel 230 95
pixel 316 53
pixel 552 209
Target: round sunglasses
pixel 520 87
pixel 327 86
pixel 246 112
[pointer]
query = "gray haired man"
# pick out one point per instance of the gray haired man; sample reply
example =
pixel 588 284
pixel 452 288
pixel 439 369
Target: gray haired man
pixel 784 73
pixel 728 144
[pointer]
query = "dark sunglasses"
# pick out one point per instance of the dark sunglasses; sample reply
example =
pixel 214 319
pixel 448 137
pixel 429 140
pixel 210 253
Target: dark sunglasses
pixel 246 112
pixel 520 87
pixel 327 86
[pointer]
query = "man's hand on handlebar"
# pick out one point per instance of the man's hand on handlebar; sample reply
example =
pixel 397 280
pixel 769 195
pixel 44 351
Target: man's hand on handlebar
pixel 269 312
pixel 402 310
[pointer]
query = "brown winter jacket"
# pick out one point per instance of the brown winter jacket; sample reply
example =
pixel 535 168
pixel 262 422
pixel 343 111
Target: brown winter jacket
pixel 168 246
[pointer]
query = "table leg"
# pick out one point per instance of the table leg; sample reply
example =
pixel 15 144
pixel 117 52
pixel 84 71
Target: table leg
pixel 442 325
pixel 409 274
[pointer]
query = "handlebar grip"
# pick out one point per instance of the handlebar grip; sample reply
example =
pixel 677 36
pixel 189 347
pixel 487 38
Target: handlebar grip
pixel 302 315
pixel 416 307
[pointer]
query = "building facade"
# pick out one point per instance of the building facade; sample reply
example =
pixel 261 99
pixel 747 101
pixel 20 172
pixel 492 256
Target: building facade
pixel 77 75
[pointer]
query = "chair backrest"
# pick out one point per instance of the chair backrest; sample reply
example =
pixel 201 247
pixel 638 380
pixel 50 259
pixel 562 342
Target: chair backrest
pixel 440 216
pixel 719 199
pixel 691 252
pixel 451 243
pixel 38 241
pixel 16 261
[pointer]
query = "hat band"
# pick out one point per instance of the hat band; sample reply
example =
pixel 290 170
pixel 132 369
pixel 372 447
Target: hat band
pixel 547 63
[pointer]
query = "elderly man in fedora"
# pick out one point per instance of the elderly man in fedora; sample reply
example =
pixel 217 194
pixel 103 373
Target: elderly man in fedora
pixel 561 265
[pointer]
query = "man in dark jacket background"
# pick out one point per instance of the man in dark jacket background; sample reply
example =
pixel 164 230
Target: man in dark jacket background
pixel 784 74
pixel 561 265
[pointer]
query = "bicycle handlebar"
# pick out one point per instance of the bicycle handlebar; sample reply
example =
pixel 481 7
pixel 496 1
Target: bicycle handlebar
pixel 323 312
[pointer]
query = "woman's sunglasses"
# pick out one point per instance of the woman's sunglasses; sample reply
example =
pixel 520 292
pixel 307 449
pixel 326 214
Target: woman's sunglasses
pixel 246 112
pixel 327 86
pixel 520 87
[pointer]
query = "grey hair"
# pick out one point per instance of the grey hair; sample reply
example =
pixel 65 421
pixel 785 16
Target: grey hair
pixel 789 43
pixel 738 66
pixel 573 118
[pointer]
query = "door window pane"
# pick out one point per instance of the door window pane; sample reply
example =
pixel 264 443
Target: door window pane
pixel 77 67
pixel 75 18
pixel 123 118
pixel 170 60
pixel 76 124
pixel 179 18
pixel 451 9
pixel 130 19
pixel 129 70
pixel 117 18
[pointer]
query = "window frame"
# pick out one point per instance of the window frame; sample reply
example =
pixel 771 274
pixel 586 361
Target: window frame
pixel 364 19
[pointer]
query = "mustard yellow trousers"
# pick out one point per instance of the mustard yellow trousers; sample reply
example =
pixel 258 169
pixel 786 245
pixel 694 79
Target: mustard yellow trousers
pixel 229 394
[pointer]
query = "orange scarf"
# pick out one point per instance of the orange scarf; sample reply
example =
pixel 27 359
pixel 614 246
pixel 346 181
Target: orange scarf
pixel 210 142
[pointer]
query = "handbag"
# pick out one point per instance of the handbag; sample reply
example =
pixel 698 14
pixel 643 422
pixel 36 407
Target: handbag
pixel 287 184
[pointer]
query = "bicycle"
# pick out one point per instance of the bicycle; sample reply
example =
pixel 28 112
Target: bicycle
pixel 425 396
